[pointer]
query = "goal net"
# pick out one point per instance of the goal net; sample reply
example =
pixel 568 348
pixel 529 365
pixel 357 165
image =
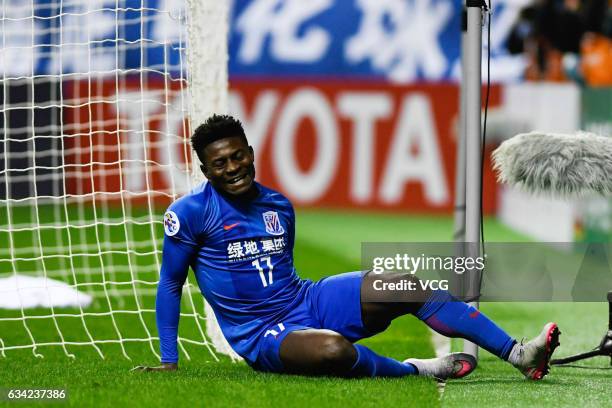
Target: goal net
pixel 97 100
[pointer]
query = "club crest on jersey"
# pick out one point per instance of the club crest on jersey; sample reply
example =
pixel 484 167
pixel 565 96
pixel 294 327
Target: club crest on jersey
pixel 171 223
pixel 272 222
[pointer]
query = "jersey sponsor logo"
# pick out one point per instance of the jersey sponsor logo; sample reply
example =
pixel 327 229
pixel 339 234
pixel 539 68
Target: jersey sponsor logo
pixel 230 226
pixel 171 223
pixel 243 250
pixel 272 222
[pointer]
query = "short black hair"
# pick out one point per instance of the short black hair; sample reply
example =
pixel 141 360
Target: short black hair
pixel 215 128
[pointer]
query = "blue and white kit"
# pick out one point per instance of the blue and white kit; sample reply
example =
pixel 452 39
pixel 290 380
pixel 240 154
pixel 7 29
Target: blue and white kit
pixel 242 256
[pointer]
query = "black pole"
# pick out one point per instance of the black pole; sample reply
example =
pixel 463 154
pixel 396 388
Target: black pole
pixel 604 348
pixel 610 310
pixel 607 340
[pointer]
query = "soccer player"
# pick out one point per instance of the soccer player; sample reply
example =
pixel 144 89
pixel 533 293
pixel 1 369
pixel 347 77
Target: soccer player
pixel 238 237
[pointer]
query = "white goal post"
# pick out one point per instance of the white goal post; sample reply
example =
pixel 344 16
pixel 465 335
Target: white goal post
pixel 98 101
pixel 209 94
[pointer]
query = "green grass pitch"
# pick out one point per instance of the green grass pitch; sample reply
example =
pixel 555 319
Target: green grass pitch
pixel 328 242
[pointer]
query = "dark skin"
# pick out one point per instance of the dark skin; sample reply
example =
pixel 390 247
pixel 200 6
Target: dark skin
pixel 228 164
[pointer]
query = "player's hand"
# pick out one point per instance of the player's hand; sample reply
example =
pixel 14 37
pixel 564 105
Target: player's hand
pixel 162 367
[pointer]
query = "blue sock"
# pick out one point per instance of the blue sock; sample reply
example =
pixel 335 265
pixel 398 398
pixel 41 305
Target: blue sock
pixel 370 364
pixel 453 318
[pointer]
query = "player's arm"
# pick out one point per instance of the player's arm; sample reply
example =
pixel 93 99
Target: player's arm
pixel 176 258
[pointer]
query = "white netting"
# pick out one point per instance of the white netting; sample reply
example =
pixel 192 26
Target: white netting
pixel 94 147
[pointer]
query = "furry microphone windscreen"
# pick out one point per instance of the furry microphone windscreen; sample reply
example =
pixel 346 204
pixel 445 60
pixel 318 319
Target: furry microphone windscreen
pixel 564 165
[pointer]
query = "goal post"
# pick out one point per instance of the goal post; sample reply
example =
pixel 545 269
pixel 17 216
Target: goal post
pixel 209 94
pixel 98 101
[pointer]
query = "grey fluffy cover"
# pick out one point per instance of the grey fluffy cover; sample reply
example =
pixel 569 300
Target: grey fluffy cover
pixel 564 165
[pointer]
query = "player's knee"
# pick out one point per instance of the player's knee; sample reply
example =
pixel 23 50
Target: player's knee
pixel 337 353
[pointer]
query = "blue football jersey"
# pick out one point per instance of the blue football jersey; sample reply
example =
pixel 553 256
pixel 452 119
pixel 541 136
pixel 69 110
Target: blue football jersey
pixel 242 256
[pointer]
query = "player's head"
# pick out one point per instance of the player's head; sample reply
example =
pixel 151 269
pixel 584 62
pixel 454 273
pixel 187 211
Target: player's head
pixel 227 159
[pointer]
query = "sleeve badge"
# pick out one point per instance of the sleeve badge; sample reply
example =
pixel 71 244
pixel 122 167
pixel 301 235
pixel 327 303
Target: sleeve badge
pixel 171 223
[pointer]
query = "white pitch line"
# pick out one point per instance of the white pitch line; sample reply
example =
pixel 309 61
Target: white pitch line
pixel 442 345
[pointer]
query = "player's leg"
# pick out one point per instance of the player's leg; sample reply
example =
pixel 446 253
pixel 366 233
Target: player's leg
pixel 335 304
pixel 325 352
pixel 438 309
pixel 291 346
pixel 299 344
pixel 453 318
